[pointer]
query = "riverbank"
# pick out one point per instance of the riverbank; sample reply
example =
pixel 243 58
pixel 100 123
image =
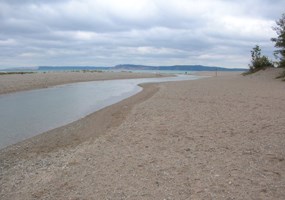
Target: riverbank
pixel 215 138
pixel 19 82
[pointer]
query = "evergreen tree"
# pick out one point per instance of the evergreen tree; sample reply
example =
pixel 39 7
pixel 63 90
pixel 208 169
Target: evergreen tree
pixel 280 41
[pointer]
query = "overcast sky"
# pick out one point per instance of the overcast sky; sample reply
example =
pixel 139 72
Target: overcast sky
pixel 150 32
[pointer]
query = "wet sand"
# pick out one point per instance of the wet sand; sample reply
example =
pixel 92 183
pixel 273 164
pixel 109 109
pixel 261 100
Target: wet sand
pixel 215 138
pixel 19 82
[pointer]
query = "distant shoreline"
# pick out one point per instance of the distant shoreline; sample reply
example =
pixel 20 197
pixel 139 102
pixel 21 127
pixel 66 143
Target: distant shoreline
pixel 127 67
pixel 20 82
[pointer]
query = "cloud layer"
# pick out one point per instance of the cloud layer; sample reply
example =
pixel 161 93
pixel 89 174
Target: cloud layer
pixel 151 32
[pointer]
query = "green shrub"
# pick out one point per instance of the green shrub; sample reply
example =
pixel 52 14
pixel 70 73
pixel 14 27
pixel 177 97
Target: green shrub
pixel 258 62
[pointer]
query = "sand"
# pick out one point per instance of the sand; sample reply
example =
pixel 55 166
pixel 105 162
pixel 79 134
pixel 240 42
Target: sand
pixel 215 138
pixel 19 82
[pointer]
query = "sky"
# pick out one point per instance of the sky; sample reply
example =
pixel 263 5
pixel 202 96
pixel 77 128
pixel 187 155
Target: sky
pixel 148 32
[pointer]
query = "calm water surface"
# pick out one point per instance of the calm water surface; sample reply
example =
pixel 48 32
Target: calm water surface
pixel 26 114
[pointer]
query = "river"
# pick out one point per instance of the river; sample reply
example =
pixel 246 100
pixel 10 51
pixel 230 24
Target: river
pixel 29 113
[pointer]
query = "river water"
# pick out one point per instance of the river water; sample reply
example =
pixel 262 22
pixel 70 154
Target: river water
pixel 29 113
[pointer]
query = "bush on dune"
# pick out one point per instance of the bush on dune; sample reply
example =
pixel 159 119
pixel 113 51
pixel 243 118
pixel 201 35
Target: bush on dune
pixel 258 61
pixel 261 62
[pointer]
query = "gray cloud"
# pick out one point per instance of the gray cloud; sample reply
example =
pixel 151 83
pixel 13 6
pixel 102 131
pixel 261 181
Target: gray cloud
pixel 156 32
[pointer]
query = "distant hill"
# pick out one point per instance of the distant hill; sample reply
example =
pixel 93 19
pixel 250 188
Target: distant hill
pixel 126 67
pixel 176 68
pixel 20 69
pixel 71 68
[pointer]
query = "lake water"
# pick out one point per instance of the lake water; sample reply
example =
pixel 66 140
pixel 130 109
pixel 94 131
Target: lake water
pixel 29 113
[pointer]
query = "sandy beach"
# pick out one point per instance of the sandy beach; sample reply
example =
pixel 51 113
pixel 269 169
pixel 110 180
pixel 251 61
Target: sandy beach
pixel 214 138
pixel 20 82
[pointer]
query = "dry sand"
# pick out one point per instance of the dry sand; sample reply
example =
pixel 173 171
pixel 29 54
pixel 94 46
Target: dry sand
pixel 215 138
pixel 18 82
